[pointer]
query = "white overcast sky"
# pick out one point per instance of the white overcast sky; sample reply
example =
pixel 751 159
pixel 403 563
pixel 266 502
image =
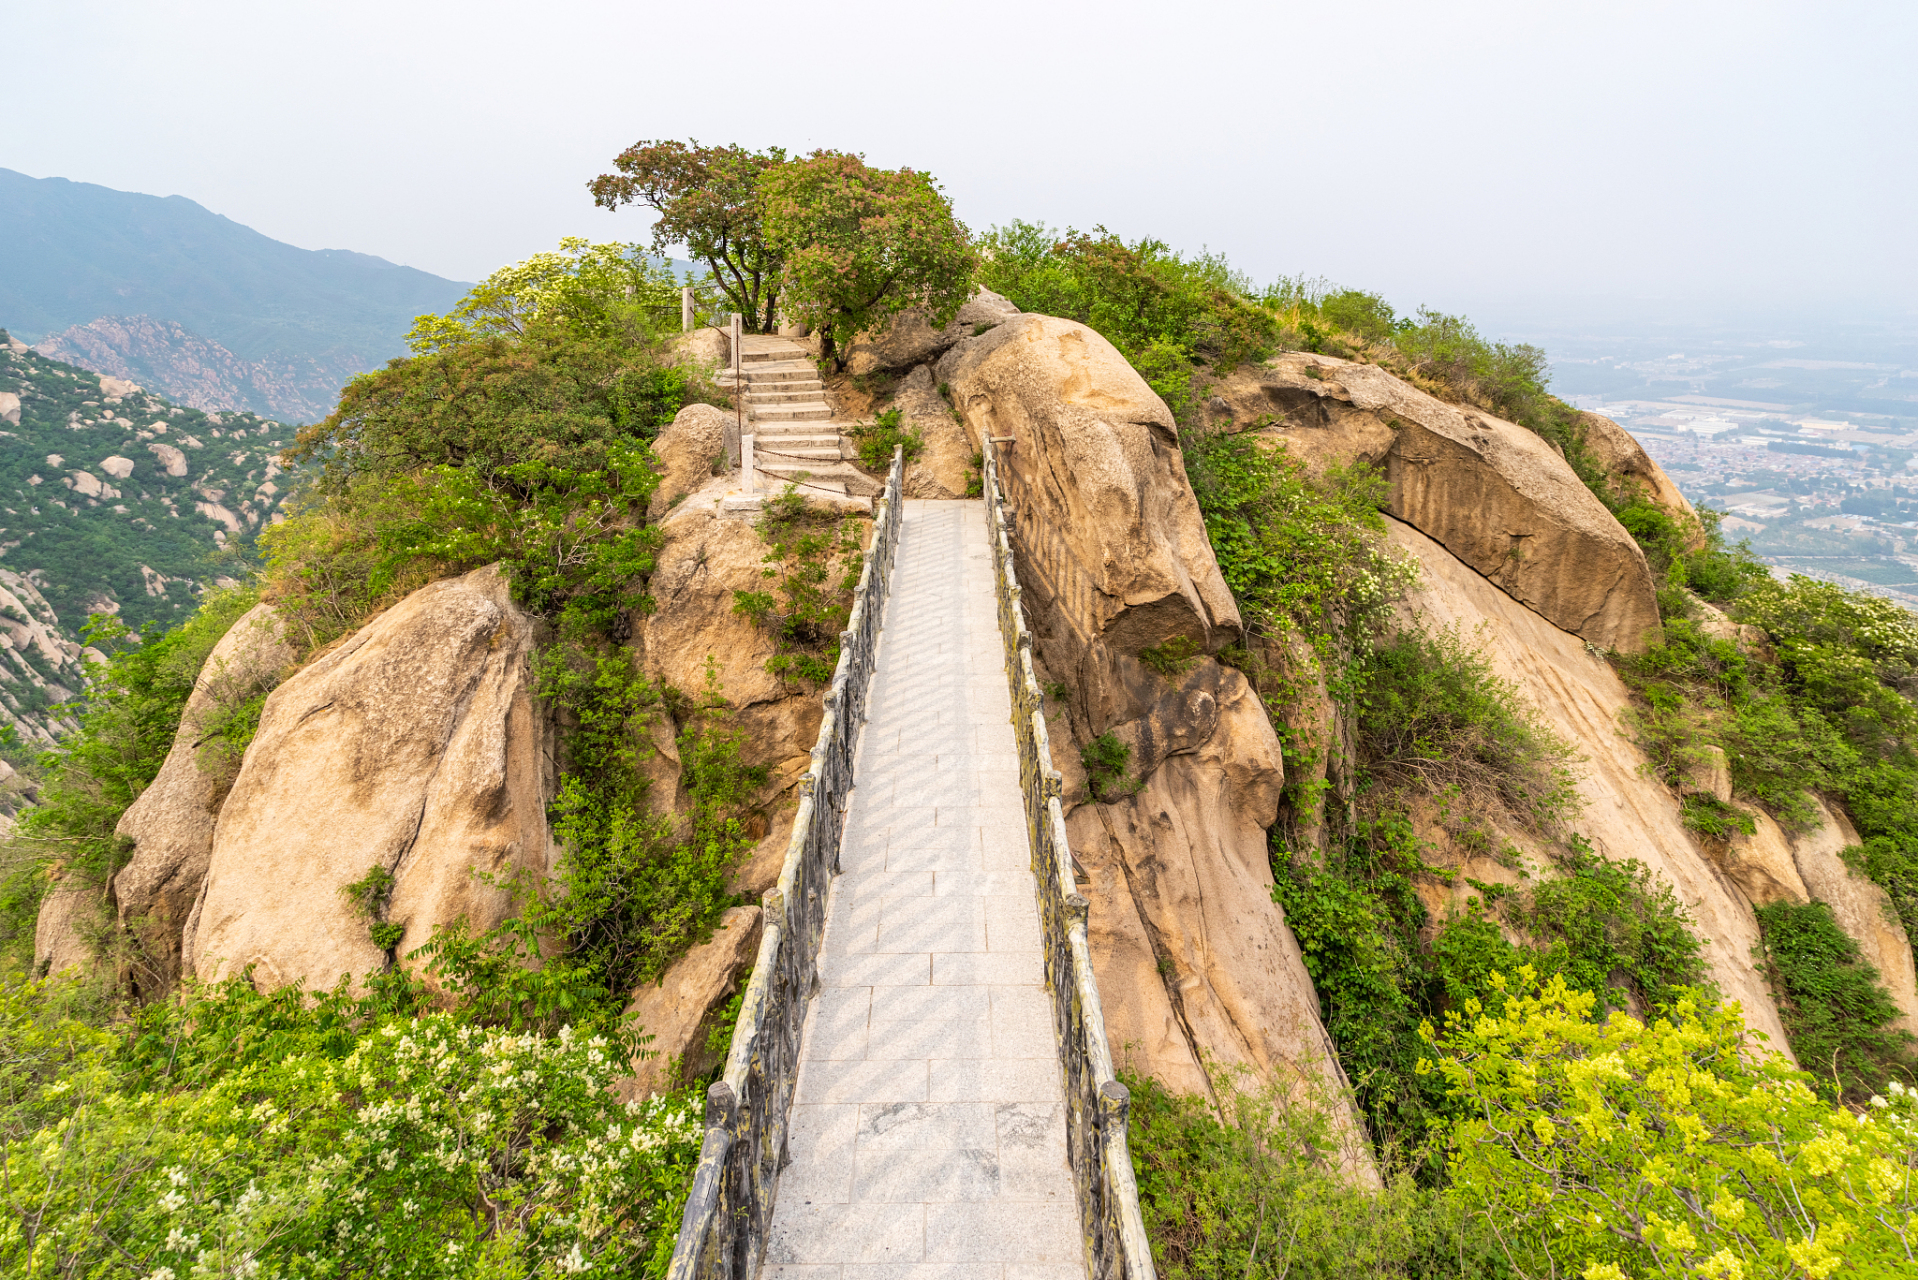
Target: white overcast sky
pixel 1489 157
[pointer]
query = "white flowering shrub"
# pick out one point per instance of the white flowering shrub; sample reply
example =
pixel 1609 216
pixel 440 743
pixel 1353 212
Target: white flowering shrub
pixel 278 1138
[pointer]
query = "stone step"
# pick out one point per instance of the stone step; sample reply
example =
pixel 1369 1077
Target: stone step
pixel 789 354
pixel 796 455
pixel 786 444
pixel 783 393
pixel 791 413
pixel 824 467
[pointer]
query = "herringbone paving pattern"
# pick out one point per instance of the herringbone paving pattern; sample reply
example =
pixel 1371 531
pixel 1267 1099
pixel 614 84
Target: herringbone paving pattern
pixel 928 1130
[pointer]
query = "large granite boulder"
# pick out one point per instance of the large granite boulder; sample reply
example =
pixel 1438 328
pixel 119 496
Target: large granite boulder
pixel 416 747
pixel 682 1010
pixel 171 824
pixel 1494 494
pixel 1090 461
pixel 1631 468
pixel 1197 969
pixel 909 338
pixel 689 448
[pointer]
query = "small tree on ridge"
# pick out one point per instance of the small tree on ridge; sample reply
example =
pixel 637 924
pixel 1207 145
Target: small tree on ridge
pixel 859 245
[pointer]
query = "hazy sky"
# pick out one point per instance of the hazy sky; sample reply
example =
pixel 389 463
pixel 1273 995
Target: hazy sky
pixel 1489 157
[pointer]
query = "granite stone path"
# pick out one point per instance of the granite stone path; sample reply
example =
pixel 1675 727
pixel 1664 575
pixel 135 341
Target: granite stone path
pixel 928 1131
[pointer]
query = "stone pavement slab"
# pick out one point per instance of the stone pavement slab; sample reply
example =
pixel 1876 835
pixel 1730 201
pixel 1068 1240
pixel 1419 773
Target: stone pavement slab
pixel 928 1130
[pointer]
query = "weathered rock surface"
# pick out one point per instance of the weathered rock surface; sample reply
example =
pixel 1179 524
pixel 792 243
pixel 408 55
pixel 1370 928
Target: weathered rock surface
pixel 1761 864
pixel 706 349
pixel 1492 493
pixel 171 824
pixel 945 464
pixel 1196 966
pixel 67 914
pixel 1710 776
pixel 1094 474
pixel 1614 449
pixel 1861 908
pixel 708 556
pixel 416 746
pixel 682 1009
pixel 686 448
pixel 909 339
pixel 1627 814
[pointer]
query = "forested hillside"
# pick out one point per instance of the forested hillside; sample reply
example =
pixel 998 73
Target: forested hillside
pixel 115 501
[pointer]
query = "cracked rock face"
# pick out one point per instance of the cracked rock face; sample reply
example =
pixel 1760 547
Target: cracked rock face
pixel 1197 968
pixel 1492 493
pixel 171 824
pixel 417 747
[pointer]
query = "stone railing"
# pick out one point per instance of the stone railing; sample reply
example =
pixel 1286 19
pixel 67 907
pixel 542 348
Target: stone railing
pixel 722 1235
pixel 1096 1103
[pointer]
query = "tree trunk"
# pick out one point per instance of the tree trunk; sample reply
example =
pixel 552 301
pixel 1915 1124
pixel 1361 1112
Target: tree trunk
pixel 829 350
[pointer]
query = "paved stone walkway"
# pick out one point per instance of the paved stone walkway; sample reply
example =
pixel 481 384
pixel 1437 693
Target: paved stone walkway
pixel 928 1131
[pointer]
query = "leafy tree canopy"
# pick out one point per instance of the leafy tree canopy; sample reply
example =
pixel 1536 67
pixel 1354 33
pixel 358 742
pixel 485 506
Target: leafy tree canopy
pixel 708 200
pixel 593 288
pixel 861 245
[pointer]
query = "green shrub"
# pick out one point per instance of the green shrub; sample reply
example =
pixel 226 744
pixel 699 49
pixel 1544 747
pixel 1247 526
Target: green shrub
pixel 1106 761
pixel 632 895
pixel 1254 1188
pixel 1433 718
pixel 1135 294
pixel 813 562
pixel 1836 1013
pixel 233 1133
pixel 1174 658
pixel 1621 1147
pixel 1712 817
pixel 1302 556
pixel 877 439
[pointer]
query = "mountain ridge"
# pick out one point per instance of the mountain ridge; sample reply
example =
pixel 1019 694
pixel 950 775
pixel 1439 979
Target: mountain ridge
pixel 73 254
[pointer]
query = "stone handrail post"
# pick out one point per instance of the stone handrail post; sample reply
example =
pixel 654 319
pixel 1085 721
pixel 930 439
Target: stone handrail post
pixel 1097 1105
pixel 722 1233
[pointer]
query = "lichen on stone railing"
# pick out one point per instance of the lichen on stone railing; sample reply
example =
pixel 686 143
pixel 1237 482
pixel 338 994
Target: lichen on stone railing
pixel 1097 1105
pixel 722 1234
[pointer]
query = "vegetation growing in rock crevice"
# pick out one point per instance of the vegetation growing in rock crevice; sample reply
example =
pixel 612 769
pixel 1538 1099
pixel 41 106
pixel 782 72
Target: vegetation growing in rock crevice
pixel 812 567
pixel 1835 1010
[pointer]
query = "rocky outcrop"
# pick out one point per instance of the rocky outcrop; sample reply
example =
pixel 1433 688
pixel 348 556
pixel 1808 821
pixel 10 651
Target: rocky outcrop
pixel 708 556
pixel 687 448
pixel 909 338
pixel 1196 966
pixel 69 915
pixel 1631 468
pixel 1091 465
pixel 681 1011
pixel 171 824
pixel 943 468
pixel 1860 908
pixel 704 349
pixel 1495 495
pixel 416 747
pixel 1627 813
pixel 1761 863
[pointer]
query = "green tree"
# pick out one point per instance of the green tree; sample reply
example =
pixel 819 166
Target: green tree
pixel 595 289
pixel 861 245
pixel 708 200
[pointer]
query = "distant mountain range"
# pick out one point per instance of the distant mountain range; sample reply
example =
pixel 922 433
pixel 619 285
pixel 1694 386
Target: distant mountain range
pixel 166 293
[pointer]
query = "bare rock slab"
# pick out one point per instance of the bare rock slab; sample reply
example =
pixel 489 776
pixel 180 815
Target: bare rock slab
pixel 416 747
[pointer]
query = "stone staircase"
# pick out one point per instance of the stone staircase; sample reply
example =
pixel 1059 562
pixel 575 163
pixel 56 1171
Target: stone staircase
pixel 792 422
